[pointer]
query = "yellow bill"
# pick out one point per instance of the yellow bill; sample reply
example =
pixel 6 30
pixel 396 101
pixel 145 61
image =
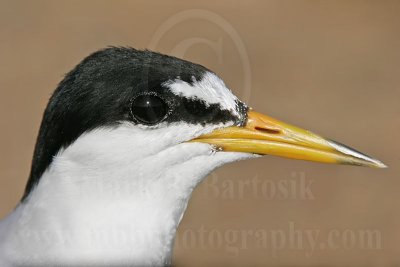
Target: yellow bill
pixel 267 136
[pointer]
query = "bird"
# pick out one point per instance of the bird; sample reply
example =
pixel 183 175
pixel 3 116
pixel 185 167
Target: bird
pixel 126 137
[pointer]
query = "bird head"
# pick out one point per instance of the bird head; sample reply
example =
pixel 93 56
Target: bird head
pixel 122 105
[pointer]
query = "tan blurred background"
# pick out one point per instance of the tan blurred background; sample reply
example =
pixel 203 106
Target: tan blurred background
pixel 328 66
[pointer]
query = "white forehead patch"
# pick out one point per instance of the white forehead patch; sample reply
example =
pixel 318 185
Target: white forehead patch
pixel 211 89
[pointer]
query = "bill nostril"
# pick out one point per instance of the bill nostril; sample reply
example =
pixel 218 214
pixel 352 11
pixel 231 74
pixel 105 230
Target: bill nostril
pixel 268 130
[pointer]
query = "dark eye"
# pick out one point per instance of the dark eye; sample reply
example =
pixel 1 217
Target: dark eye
pixel 149 109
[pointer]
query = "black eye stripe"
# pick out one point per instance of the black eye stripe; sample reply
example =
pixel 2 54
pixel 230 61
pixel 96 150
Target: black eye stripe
pixel 178 109
pixel 199 108
pixel 197 111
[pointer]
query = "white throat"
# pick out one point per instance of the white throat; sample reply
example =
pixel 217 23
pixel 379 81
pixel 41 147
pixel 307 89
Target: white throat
pixel 111 200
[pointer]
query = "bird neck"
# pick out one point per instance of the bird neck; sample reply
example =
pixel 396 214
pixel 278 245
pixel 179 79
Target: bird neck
pixel 112 214
pixel 112 223
pixel 105 200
